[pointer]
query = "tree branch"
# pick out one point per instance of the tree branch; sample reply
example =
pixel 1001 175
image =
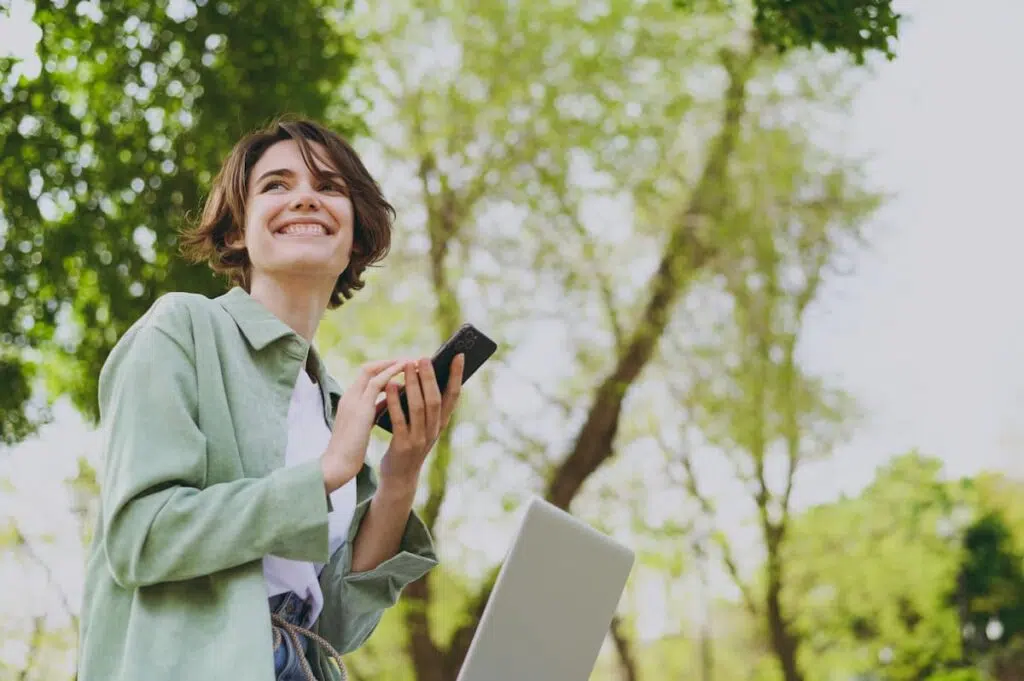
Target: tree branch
pixel 603 280
pixel 707 508
pixel 26 546
pixel 624 647
pixel 464 634
pixel 527 447
pixel 564 406
pixel 791 425
pixel 35 643
pixel 686 251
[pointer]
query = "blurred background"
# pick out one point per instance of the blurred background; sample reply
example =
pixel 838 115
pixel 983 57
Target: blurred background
pixel 752 265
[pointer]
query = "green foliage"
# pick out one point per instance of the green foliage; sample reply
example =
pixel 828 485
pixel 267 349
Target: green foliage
pixel 16 376
pixel 112 142
pixel 868 574
pixel 858 27
pixel 855 26
pixel 989 586
pixel 962 674
pixel 551 178
pixel 507 160
pixel 884 582
pixel 994 493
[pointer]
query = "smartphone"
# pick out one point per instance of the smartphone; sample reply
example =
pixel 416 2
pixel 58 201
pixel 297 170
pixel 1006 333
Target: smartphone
pixel 468 340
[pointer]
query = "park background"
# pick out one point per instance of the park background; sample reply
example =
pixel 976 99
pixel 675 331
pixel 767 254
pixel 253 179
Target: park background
pixel 753 268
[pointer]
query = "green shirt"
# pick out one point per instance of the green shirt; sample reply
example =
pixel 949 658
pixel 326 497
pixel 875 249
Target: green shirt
pixel 194 493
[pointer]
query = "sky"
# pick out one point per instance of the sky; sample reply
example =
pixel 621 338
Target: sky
pixel 926 333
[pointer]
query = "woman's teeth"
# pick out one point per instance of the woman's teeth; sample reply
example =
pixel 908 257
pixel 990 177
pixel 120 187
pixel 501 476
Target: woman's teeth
pixel 304 229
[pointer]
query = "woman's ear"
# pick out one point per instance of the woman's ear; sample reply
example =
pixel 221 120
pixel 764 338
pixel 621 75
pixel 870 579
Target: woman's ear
pixel 358 250
pixel 234 240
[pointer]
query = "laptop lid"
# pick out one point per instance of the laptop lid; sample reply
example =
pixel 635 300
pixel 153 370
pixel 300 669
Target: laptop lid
pixel 552 604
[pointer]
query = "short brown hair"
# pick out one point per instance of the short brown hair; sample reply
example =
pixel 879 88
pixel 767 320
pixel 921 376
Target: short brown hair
pixel 214 239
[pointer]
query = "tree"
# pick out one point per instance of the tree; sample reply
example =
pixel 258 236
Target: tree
pixel 990 573
pixel 478 134
pixel 906 580
pixel 795 215
pixel 625 107
pixel 34 552
pixel 858 27
pixel 499 160
pixel 988 596
pixel 869 575
pixel 109 136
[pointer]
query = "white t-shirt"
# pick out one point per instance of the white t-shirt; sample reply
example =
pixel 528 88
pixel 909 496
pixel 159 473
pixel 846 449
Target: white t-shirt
pixel 308 435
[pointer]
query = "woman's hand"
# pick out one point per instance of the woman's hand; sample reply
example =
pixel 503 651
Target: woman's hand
pixel 353 422
pixel 429 413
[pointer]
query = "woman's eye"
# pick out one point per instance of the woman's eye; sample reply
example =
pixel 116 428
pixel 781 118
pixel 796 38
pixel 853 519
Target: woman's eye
pixel 272 185
pixel 331 187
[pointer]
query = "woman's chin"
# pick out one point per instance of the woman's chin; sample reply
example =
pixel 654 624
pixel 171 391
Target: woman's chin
pixel 311 266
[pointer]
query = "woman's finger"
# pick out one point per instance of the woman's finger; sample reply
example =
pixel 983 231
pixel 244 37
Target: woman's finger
pixel 431 399
pixel 371 369
pixel 381 378
pixel 414 395
pixel 453 389
pixel 399 426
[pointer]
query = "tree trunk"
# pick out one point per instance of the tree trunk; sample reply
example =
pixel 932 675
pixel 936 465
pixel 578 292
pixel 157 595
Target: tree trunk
pixel 707 650
pixel 784 643
pixel 624 647
pixel 428 659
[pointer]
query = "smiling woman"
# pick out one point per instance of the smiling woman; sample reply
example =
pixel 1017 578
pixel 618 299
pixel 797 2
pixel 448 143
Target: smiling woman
pixel 241 534
pixel 291 171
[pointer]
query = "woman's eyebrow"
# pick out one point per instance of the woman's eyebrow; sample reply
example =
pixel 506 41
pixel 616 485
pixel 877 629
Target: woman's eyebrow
pixel 332 175
pixel 278 171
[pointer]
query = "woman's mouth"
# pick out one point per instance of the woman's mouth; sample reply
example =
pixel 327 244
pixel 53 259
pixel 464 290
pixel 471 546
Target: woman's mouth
pixel 303 229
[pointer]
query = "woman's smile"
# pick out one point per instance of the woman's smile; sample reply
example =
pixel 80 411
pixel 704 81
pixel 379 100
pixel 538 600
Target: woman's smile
pixel 303 229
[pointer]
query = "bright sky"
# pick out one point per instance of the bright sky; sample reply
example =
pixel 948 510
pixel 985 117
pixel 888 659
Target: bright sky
pixel 927 333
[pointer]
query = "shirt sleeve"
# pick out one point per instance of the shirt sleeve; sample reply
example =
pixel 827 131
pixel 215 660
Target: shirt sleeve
pixel 354 602
pixel 160 520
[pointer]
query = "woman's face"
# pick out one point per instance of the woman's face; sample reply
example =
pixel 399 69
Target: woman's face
pixel 297 225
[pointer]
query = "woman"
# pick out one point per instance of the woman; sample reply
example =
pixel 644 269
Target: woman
pixel 241 535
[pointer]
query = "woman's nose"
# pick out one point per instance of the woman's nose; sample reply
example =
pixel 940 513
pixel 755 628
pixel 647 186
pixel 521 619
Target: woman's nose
pixel 305 200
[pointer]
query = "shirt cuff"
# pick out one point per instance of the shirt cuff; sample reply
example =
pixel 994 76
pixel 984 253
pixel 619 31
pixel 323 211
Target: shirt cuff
pixel 415 558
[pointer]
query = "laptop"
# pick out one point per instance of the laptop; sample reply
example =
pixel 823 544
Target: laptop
pixel 552 604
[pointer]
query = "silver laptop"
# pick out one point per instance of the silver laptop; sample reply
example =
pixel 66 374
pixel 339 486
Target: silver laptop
pixel 552 604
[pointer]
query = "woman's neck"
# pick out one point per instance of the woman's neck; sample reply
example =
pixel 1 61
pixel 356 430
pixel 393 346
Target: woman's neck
pixel 298 303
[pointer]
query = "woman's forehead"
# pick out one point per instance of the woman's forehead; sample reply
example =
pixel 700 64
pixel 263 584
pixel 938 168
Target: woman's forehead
pixel 286 155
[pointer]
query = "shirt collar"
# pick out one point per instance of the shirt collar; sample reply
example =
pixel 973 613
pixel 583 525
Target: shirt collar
pixel 258 324
pixel 261 328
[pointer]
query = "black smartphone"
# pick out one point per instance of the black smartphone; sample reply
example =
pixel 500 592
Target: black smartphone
pixel 468 340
